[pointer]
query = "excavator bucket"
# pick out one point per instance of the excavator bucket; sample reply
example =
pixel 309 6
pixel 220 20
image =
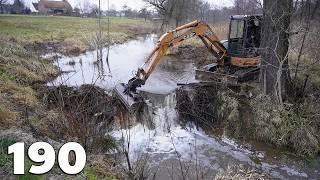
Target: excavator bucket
pixel 131 100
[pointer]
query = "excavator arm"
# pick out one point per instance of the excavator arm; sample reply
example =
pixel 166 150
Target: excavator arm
pixel 127 92
pixel 173 38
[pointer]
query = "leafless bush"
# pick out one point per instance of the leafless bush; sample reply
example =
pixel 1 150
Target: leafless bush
pixel 205 105
pixel 85 113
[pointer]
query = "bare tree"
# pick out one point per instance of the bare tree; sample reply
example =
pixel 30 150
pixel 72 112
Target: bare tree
pixel 85 7
pixel 144 13
pixel 247 6
pixel 126 10
pixel 17 7
pixel 165 8
pixel 275 44
pixel 2 3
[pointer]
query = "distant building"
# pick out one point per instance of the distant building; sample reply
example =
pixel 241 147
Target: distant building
pixel 50 7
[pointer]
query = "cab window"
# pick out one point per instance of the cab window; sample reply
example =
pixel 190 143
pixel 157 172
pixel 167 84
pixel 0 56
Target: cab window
pixel 236 30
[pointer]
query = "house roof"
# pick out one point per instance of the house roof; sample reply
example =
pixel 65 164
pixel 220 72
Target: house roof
pixel 56 4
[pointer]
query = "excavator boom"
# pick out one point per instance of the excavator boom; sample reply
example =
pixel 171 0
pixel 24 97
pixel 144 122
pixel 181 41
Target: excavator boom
pixel 127 92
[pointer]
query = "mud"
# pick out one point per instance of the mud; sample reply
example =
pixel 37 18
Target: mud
pixel 76 48
pixel 71 49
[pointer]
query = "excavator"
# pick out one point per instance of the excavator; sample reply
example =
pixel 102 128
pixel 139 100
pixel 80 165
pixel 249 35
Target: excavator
pixel 238 56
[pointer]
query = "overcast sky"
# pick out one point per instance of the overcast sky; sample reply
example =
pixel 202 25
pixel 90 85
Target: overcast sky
pixel 135 4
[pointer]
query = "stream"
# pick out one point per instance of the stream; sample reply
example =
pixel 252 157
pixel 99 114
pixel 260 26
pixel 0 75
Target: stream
pixel 169 146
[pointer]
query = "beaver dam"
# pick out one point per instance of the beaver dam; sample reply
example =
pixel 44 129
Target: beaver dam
pixel 165 139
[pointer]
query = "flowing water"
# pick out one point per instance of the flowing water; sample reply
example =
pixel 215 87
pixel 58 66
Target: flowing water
pixel 174 151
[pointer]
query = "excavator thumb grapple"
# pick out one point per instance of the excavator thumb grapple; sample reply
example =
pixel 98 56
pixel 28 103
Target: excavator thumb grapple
pixel 127 93
pixel 131 100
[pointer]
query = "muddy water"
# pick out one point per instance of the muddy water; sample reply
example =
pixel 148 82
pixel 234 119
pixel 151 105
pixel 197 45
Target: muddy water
pixel 124 61
pixel 174 151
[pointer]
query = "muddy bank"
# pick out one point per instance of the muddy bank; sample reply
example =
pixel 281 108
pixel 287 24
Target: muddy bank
pixel 198 54
pixel 214 107
pixel 246 114
pixel 295 126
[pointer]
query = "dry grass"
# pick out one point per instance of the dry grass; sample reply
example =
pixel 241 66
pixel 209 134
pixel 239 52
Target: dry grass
pixel 295 127
pixel 70 34
pixel 221 29
pixel 99 168
pixel 56 28
pixel 19 71
pixel 6 117
pixel 292 128
pixel 239 173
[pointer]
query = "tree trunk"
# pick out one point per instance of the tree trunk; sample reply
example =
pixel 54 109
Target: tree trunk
pixel 274 66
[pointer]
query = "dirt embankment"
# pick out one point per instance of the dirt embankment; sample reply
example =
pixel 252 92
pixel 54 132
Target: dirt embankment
pixel 199 55
pixel 247 114
pixel 295 126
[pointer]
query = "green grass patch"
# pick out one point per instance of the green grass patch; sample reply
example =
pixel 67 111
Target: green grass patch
pixel 91 173
pixel 5 159
pixel 5 143
pixel 27 175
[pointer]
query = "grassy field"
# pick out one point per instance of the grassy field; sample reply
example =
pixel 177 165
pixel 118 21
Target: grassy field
pixel 57 28
pixel 70 35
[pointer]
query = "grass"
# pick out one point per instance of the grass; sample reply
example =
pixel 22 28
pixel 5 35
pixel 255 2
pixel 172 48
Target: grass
pixel 68 29
pixel 97 171
pixel 5 159
pixel 27 175
pixel 293 128
pixel 6 114
pixel 20 70
pixel 240 172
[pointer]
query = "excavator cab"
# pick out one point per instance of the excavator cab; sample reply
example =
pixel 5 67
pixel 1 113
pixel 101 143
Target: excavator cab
pixel 244 35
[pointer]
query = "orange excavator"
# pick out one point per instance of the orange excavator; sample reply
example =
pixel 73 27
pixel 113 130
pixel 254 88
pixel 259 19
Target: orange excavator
pixel 239 52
